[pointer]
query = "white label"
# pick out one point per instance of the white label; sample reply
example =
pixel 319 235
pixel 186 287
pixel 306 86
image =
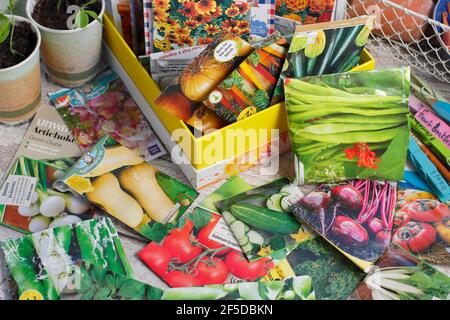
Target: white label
pixel 18 190
pixel 223 235
pixel 225 51
pixel 215 97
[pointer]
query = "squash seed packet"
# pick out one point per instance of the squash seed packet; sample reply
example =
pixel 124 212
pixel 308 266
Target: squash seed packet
pixel 105 107
pixel 261 221
pixel 356 217
pixel 45 264
pixel 122 183
pixel 349 125
pixel 92 283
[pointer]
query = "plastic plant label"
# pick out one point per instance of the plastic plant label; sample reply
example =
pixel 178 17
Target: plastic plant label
pixel 18 190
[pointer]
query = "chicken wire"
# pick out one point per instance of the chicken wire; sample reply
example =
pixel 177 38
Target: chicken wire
pixel 426 53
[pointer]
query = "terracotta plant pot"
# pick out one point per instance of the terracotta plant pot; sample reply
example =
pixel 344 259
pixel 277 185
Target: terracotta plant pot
pixel 20 85
pixel 71 57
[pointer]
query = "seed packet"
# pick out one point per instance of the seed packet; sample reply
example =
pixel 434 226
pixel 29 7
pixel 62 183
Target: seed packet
pixel 122 183
pixel 334 277
pixel 104 106
pixel 29 203
pixel 179 24
pixel 137 26
pixel 261 222
pixel 44 264
pixel 262 20
pixel 203 75
pixel 422 226
pixel 402 276
pixel 356 217
pixel 148 26
pixel 92 283
pixel 249 88
pixel 305 11
pixel 349 125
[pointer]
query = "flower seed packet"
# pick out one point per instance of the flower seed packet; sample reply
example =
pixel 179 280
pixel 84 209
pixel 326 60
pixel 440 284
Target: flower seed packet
pixel 179 24
pixel 306 11
pixel 104 106
pixel 356 217
pixel 124 185
pixel 261 221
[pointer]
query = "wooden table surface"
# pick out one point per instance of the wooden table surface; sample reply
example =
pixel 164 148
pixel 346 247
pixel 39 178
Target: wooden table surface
pixel 10 138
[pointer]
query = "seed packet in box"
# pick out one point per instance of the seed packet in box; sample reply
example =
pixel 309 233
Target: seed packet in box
pixel 179 24
pixel 356 217
pixel 262 20
pixel 261 222
pixel 401 275
pixel 306 11
pixel 29 203
pixel 45 264
pixel 104 106
pixel 123 184
pixel 249 88
pixel 349 125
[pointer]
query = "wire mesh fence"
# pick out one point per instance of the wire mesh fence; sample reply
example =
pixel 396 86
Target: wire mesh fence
pixel 417 40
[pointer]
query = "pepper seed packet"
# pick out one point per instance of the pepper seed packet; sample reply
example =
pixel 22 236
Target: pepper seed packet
pixel 261 222
pixel 45 264
pixel 356 217
pixel 104 106
pixel 123 184
pixel 305 11
pixel 349 125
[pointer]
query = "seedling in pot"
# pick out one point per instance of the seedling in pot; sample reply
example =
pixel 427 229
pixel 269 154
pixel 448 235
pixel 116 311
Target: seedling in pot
pixel 82 16
pixel 7 27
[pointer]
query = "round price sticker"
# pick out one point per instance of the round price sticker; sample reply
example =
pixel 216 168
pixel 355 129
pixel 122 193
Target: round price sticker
pixel 247 112
pixel 31 294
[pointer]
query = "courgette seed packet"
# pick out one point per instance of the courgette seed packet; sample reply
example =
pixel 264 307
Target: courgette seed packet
pixel 261 222
pixel 44 264
pixel 124 185
pixel 349 125
pixel 105 107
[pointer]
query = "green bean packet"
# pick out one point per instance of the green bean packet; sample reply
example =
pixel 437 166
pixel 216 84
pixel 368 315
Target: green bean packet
pixel 93 283
pixel 45 263
pixel 349 125
pixel 261 221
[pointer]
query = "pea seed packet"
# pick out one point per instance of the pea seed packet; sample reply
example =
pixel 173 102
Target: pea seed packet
pixel 104 106
pixel 119 180
pixel 401 275
pixel 29 203
pixel 44 264
pixel 261 222
pixel 356 217
pixel 349 125
pixel 179 24
pixel 96 284
pixel 306 11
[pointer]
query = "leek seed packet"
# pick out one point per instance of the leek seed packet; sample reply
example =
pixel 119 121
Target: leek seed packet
pixel 349 125
pixel 45 265
pixel 122 183
pixel 261 221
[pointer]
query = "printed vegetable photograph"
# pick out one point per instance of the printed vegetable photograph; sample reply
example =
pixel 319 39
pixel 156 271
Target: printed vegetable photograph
pixel 105 107
pixel 261 221
pixel 179 23
pixel 45 264
pixel 305 11
pixel 349 125
pixel 422 226
pixel 402 276
pixel 118 180
pixel 203 75
pixel 47 207
pixel 101 284
pixel 356 217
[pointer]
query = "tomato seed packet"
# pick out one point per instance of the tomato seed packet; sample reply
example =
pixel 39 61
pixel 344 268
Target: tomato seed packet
pixel 356 217
pixel 349 125
pixel 123 184
pixel 261 222
pixel 44 264
pixel 105 107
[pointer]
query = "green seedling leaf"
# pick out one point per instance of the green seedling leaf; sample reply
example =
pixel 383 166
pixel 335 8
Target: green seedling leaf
pixel 81 19
pixel 5 27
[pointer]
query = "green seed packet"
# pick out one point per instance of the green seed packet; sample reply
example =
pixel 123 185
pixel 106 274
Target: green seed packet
pixel 45 263
pixel 261 222
pixel 349 125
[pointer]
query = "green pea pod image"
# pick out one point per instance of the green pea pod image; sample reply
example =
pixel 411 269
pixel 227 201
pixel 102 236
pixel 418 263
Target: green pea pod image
pixel 193 293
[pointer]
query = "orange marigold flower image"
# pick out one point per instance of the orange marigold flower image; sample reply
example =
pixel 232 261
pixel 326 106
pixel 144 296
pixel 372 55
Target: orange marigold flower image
pixel 191 24
pixel 330 5
pixel 206 40
pixel 278 4
pixel 211 29
pixel 243 7
pixel 182 32
pixel 318 5
pixel 232 11
pixel 159 14
pixel 163 4
pixel 293 16
pixel 217 13
pixel 188 9
pixel 205 7
pixel 310 20
pixel 297 5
